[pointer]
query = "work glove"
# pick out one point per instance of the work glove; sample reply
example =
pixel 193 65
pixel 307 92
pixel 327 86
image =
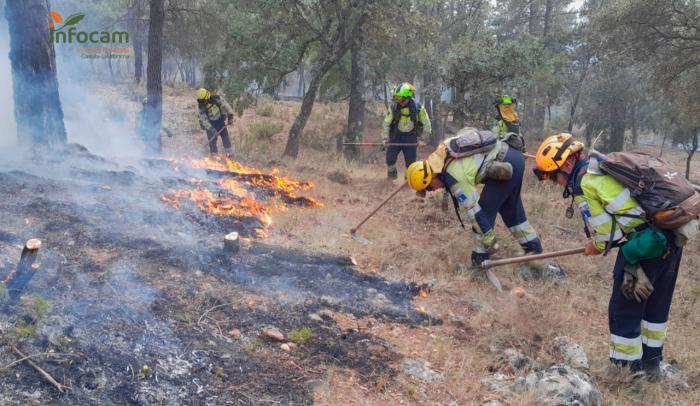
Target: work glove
pixel 384 142
pixel 478 258
pixel 635 284
pixel 421 143
pixel 591 249
pixel 230 119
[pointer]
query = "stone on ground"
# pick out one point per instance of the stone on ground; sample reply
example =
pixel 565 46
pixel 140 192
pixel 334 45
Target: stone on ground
pixel 272 332
pixel 573 354
pixel 561 385
pixel 536 271
pixel 420 370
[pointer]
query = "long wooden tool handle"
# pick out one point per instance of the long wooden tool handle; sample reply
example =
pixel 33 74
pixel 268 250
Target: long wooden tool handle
pixel 696 187
pixel 530 156
pixel 529 258
pixel 379 144
pixel 354 229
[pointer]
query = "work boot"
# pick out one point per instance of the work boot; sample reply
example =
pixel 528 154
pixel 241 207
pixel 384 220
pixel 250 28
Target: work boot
pixel 392 174
pixel 532 247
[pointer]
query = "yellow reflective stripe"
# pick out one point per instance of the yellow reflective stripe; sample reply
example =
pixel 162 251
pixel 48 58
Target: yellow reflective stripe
pixel 473 211
pixel 523 232
pixel 599 220
pixel 618 201
pixel 653 334
pixel 626 349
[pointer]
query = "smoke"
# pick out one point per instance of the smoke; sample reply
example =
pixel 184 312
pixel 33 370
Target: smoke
pixel 100 112
pixel 8 133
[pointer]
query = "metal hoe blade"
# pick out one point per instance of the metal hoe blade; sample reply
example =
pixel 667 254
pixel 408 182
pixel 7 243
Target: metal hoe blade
pixel 494 280
pixel 359 238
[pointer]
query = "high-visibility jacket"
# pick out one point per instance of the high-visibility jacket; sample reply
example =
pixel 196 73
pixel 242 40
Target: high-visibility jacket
pixel 405 123
pixel 603 200
pixel 467 173
pixel 215 111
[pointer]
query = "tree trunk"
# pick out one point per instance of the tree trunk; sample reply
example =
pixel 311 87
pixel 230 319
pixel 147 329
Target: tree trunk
pixel 663 143
pixel 138 59
pixel 356 108
pixel 301 89
pixel 307 104
pixel 153 110
pixel 38 109
pixel 691 152
pixel 633 124
pixel 616 142
pixel 546 28
pixel 532 22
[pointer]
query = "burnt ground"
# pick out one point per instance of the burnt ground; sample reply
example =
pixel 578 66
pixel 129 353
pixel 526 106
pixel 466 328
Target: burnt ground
pixel 141 297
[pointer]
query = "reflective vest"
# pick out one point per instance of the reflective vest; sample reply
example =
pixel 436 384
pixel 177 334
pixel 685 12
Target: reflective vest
pixel 602 197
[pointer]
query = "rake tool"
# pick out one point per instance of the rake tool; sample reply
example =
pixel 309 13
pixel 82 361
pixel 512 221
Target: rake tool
pixel 353 231
pixel 529 258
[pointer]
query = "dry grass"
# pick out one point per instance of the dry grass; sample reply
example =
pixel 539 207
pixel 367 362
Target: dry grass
pixel 416 240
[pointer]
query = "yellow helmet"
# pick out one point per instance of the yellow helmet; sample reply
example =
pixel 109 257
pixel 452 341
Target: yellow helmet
pixel 203 94
pixel 419 175
pixel 555 150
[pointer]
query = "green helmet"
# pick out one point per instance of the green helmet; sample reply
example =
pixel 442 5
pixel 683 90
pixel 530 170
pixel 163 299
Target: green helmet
pixel 405 89
pixel 505 99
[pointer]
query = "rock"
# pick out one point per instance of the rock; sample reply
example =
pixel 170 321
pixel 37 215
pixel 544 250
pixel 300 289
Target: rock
pixel 674 376
pixel 316 317
pixel 420 370
pixel 325 313
pixel 573 354
pixel 235 334
pixel 498 383
pixel 512 360
pixel 272 332
pixel 534 271
pixel 518 292
pixel 477 306
pixel 339 177
pixel 285 347
pixel 328 300
pixel 561 385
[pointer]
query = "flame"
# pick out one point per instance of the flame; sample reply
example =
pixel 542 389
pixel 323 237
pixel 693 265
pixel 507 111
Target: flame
pixel 242 192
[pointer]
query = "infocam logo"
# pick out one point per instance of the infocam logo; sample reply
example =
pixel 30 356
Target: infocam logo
pixel 69 34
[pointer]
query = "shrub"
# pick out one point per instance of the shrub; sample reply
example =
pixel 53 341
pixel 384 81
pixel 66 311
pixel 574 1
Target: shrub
pixel 265 129
pixel 302 336
pixel 265 110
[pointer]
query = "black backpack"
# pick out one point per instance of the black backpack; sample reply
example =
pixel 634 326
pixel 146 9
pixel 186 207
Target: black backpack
pixel 414 108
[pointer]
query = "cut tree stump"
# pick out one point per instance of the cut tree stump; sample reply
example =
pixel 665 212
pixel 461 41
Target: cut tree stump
pixel 232 244
pixel 26 268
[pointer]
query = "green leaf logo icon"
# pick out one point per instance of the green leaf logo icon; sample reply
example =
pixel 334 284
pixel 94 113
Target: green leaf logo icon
pixel 73 19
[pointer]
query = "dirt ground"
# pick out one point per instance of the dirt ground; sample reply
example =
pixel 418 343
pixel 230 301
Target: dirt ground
pixel 418 240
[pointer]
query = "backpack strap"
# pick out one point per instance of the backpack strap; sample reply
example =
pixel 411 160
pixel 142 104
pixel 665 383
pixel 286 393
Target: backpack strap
pixel 449 181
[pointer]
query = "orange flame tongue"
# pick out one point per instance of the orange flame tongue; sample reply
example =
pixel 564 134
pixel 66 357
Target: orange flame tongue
pixel 237 200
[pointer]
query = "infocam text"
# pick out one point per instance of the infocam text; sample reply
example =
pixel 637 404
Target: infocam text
pixel 95 37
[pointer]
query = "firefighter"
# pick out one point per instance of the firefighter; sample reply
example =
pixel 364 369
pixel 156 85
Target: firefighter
pixel 507 120
pixel 214 112
pixel 405 123
pixel 642 288
pixel 501 171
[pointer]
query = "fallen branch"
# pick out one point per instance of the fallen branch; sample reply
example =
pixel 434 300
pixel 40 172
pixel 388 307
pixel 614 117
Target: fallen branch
pixel 199 322
pixel 43 373
pixel 38 354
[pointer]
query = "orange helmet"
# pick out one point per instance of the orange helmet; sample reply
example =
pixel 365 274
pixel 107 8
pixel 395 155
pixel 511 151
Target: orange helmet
pixel 554 151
